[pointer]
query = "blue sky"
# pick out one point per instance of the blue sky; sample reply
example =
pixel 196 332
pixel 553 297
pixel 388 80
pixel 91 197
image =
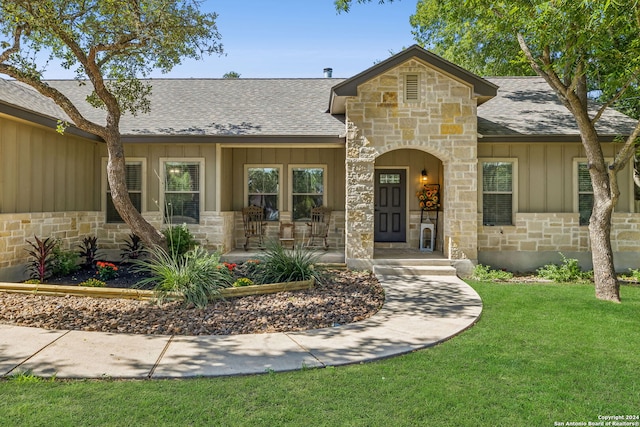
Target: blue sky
pixel 298 38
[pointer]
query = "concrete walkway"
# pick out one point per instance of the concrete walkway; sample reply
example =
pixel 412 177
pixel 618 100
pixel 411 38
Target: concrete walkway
pixel 419 311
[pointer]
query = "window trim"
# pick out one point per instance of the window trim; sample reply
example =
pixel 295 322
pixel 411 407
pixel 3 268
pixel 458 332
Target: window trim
pixel 104 185
pixel 200 161
pixel 514 187
pixel 291 167
pixel 575 190
pixel 245 196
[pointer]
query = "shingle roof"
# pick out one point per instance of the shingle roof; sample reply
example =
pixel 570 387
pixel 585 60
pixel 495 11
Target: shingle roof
pixel 528 106
pixel 257 107
pixel 523 107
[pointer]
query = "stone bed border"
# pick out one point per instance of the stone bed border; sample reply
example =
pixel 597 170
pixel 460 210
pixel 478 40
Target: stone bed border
pixel 139 294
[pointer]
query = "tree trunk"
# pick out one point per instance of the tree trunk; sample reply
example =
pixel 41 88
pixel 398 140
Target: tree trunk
pixel 604 275
pixel 116 174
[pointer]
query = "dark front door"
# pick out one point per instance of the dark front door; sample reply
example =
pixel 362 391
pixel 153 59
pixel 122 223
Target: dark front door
pixel 390 209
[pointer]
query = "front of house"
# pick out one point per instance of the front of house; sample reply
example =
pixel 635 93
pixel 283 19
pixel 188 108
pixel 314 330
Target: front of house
pixel 501 156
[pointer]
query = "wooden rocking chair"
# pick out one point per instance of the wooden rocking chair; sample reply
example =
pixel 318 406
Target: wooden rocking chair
pixel 319 226
pixel 254 225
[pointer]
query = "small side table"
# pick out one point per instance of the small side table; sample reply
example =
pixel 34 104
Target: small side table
pixel 431 238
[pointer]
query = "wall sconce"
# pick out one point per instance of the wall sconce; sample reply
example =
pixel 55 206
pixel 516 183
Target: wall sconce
pixel 423 177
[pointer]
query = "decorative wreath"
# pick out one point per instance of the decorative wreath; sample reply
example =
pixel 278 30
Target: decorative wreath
pixel 429 197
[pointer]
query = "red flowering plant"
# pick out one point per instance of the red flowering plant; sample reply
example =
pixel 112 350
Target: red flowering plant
pixel 429 197
pixel 106 270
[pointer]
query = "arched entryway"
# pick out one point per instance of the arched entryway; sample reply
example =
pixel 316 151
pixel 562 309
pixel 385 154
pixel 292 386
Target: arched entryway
pixel 399 175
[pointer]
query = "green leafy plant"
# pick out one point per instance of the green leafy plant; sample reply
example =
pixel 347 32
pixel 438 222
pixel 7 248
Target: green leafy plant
pixel 287 265
pixel 106 270
pixel 634 275
pixel 179 239
pixel 132 248
pixel 64 261
pixel 41 252
pixel 93 283
pixel 197 276
pixel 89 250
pixel 32 282
pixel 568 271
pixel 243 281
pixel 485 273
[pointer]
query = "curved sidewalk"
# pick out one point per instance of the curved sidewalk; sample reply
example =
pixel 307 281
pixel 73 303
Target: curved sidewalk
pixel 419 311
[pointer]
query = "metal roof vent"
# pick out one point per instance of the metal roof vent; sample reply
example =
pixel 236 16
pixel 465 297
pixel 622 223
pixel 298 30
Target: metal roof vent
pixel 328 72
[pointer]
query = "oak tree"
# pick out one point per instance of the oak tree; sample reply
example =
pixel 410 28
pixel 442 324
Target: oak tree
pixel 111 45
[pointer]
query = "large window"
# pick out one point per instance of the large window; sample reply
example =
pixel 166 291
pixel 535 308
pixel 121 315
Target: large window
pixel 182 187
pixel 307 190
pixel 585 193
pixel 263 189
pixel 133 178
pixel 497 192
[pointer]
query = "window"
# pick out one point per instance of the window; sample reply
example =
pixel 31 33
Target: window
pixel 585 192
pixel 497 192
pixel 263 189
pixel 182 187
pixel 133 178
pixel 411 87
pixel 307 190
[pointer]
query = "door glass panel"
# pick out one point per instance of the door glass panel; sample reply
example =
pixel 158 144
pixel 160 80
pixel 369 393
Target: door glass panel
pixel 389 178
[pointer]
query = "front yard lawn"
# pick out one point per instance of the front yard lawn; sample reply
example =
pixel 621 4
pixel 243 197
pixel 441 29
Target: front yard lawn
pixel 540 354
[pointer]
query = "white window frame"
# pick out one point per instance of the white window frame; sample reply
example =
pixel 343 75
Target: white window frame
pixel 514 187
pixel 279 167
pixel 324 184
pixel 576 193
pixel 196 160
pixel 105 185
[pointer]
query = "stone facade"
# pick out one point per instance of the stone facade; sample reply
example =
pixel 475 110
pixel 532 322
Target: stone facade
pixel 537 239
pixel 441 122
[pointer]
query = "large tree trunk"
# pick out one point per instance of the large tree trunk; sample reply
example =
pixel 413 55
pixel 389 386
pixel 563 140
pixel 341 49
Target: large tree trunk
pixel 120 195
pixel 604 276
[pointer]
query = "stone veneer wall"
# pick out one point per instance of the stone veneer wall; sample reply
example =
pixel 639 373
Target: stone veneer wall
pixel 335 239
pixel 443 122
pixel 216 232
pixel 537 238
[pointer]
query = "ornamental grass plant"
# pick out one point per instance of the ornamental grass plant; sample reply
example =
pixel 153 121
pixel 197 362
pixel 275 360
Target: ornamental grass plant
pixel 279 264
pixel 197 275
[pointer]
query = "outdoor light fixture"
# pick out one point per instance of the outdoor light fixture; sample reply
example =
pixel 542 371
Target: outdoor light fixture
pixel 423 178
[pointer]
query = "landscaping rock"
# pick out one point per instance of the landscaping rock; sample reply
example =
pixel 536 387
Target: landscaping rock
pixel 347 297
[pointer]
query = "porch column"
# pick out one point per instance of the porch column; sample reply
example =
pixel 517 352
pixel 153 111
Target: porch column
pixel 359 205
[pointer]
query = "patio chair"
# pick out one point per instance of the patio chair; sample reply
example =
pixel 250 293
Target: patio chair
pixel 254 225
pixel 287 234
pixel 319 226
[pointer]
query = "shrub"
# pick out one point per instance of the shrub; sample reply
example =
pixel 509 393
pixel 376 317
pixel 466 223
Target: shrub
pixel 88 250
pixel 179 239
pixel 132 248
pixel 93 283
pixel 484 273
pixel 243 281
pixel 197 276
pixel 64 262
pixel 568 271
pixel 42 253
pixel 634 275
pixel 287 265
pixel 106 270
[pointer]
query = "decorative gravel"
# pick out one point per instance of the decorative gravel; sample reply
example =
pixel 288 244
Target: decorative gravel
pixel 345 298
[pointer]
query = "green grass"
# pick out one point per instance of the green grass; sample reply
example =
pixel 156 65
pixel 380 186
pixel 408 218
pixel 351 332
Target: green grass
pixel 540 354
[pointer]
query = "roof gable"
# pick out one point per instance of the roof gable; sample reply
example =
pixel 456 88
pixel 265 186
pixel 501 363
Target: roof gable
pixel 482 88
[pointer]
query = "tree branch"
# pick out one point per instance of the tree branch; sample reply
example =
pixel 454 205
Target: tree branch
pixel 617 96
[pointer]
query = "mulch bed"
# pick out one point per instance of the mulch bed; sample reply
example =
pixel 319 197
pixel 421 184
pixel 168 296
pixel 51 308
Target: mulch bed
pixel 345 297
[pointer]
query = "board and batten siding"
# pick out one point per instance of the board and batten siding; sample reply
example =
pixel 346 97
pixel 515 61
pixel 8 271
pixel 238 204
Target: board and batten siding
pixel 153 152
pixel 545 174
pixel 44 171
pixel 333 158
